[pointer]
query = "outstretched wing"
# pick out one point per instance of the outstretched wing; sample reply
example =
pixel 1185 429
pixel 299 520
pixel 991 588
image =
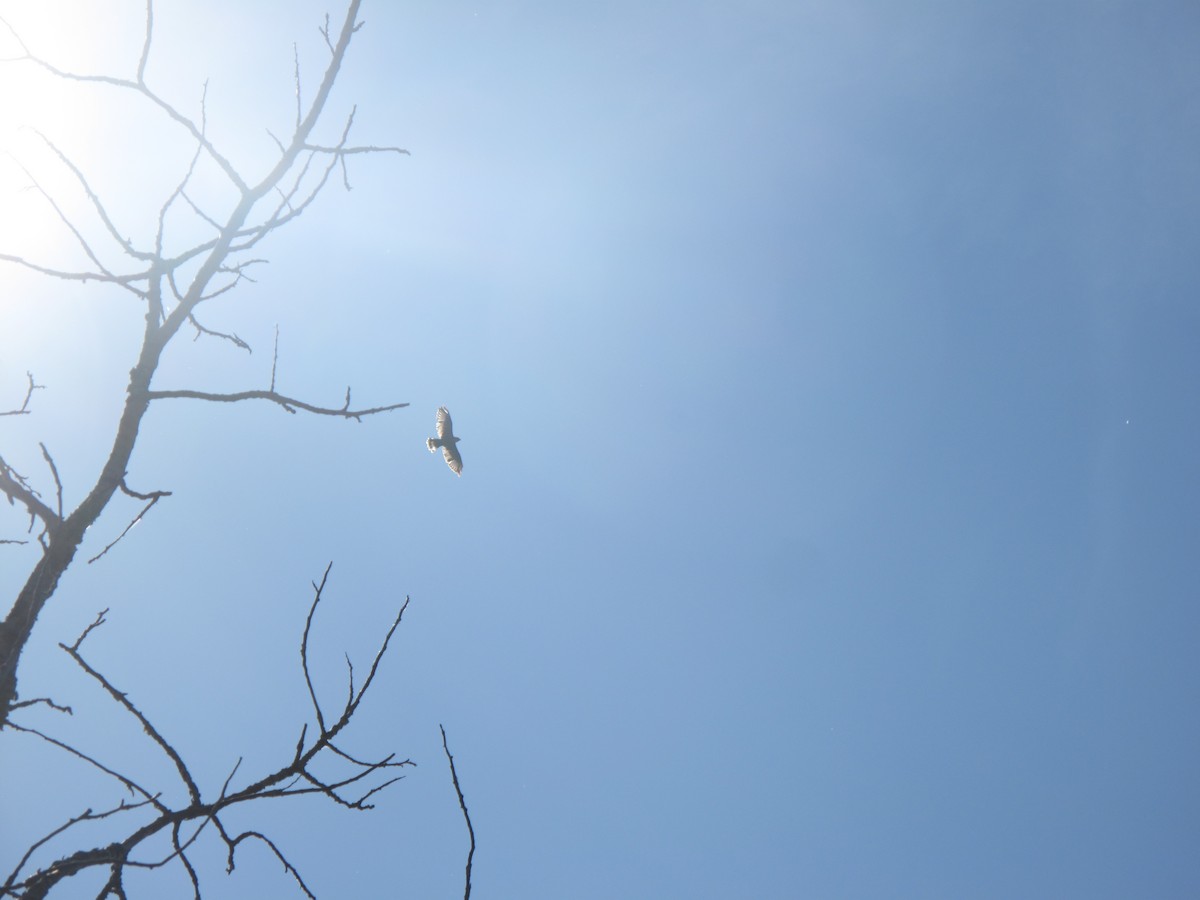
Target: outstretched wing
pixel 453 460
pixel 445 428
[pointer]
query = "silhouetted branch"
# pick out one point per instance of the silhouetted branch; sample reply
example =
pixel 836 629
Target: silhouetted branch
pixel 160 232
pixel 103 271
pixel 467 816
pixel 325 34
pixel 23 409
pixel 132 786
pixel 317 589
pixel 123 699
pixel 54 472
pixel 341 151
pixel 275 358
pixel 282 782
pixel 64 275
pixel 172 284
pixel 137 86
pixel 112 229
pixel 232 338
pixel 153 497
pixel 14 486
pixel 184 861
pixel 288 403
pixel 86 816
pixel 232 843
pixel 350 151
pixel 296 63
pixel 21 704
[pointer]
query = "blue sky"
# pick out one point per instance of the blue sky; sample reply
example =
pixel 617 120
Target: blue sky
pixel 826 375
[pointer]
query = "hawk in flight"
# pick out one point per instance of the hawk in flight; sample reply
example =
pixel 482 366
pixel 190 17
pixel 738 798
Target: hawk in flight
pixel 446 440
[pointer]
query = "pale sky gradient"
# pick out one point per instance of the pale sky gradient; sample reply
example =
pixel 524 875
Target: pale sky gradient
pixel 826 374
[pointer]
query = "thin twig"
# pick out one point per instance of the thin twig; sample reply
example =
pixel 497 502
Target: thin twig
pixel 350 151
pixel 131 785
pixel 16 488
pixel 187 865
pixel 109 225
pixel 21 704
pixel 23 409
pixel 153 497
pixel 288 403
pixel 287 866
pixel 63 217
pixel 96 623
pixel 86 816
pixel 293 779
pixel 296 61
pixel 467 816
pixel 184 775
pixel 317 589
pixel 232 338
pixel 178 192
pixel 275 357
pixel 54 472
pixel 62 274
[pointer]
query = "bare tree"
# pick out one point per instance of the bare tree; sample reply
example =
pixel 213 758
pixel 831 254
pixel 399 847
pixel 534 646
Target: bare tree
pixel 172 284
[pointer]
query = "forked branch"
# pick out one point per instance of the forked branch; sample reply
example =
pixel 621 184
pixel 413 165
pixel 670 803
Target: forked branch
pixel 288 403
pixel 172 284
pixel 23 409
pixel 295 777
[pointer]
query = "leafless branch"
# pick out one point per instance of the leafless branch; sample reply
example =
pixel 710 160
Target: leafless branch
pixel 153 497
pixel 23 409
pixel 139 86
pixel 232 338
pixel 173 284
pixel 467 816
pixel 199 212
pixel 341 151
pixel 96 623
pixel 132 786
pixel 21 704
pixel 53 471
pixel 86 816
pixel 63 217
pixel 317 589
pixel 282 782
pixel 14 486
pixel 112 229
pixel 275 357
pixel 288 403
pixel 350 151
pixel 249 237
pixel 232 843
pixel 123 280
pixel 325 34
pixel 145 57
pixel 296 61
pixel 179 852
pixel 123 699
pixel 175 194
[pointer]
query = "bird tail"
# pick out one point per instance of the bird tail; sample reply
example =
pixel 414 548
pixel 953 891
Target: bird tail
pixel 432 444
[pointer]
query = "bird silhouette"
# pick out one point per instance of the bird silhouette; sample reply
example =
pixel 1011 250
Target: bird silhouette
pixel 446 440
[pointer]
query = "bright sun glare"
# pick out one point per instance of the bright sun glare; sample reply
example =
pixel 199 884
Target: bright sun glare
pixel 32 100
